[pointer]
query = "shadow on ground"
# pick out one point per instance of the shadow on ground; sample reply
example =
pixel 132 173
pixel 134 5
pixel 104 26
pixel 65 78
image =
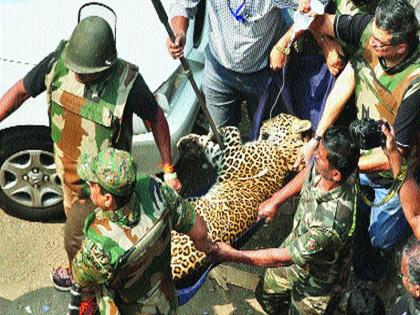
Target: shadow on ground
pixel 41 301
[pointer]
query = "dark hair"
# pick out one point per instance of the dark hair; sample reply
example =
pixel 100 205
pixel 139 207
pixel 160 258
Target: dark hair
pixel 412 253
pixel 364 302
pixel 398 18
pixel 120 201
pixel 343 153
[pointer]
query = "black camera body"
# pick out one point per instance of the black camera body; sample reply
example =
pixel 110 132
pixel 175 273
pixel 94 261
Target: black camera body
pixel 368 133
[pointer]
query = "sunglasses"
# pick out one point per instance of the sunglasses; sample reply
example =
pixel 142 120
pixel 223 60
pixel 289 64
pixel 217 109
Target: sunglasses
pixel 380 44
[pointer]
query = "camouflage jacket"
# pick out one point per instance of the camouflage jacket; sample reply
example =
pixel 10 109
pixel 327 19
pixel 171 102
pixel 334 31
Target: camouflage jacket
pixel 379 92
pixel 321 234
pixel 146 286
pixel 86 118
pixel 348 7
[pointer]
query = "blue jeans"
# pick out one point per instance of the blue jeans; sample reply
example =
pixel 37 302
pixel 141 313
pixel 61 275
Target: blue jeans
pixel 387 223
pixel 225 90
pixel 377 228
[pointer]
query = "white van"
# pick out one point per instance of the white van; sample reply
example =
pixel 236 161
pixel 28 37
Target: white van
pixel 31 29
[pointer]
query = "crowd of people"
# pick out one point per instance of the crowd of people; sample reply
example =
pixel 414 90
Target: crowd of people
pixel 111 212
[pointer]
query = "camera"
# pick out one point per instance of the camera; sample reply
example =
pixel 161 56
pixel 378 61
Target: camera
pixel 368 133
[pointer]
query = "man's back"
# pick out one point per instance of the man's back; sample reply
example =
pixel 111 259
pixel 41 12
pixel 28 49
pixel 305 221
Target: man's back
pixel 128 250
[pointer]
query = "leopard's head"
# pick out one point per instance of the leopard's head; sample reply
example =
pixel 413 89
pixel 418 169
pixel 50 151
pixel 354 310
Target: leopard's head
pixel 285 128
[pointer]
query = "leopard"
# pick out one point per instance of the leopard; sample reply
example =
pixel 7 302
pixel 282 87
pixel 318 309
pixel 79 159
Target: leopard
pixel 247 174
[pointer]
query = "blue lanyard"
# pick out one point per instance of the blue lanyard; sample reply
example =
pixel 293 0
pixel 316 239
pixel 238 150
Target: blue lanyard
pixel 238 16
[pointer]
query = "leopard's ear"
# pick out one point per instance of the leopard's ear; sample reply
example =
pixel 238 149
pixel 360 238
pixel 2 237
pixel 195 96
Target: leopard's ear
pixel 299 125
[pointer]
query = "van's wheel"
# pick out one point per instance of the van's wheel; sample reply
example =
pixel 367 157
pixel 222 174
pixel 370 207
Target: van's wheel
pixel 29 185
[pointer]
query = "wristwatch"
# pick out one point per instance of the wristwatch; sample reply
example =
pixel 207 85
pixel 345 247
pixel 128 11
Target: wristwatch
pixel 282 50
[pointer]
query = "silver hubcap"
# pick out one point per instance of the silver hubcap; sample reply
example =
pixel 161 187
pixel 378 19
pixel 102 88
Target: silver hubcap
pixel 29 178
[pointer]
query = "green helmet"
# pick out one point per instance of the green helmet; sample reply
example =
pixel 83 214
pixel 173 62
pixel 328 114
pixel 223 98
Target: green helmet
pixel 91 47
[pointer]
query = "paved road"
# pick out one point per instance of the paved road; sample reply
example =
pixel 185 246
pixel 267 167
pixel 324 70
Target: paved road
pixel 29 250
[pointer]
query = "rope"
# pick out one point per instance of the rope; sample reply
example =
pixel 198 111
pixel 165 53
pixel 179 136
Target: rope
pixel 396 185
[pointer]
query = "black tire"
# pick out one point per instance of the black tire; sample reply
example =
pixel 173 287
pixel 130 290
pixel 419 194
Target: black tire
pixel 29 186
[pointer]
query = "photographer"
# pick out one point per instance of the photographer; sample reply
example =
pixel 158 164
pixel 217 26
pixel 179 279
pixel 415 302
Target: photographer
pixel 410 191
pixel 384 74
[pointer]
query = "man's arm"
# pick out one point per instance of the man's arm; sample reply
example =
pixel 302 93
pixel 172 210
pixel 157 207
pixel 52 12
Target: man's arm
pixel 160 130
pixel 179 27
pixel 333 52
pixel 30 86
pixel 268 209
pixel 410 201
pixel 270 257
pixel 336 101
pixel 409 191
pixel 374 162
pixel 91 266
pixel 12 99
pixel 278 57
pixel 180 13
pixel 200 238
pixel 323 24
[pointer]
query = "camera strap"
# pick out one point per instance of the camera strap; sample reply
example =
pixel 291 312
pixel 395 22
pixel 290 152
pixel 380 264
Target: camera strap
pixel 395 187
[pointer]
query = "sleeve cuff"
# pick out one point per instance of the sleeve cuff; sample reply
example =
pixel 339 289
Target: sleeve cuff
pixel 337 17
pixel 177 9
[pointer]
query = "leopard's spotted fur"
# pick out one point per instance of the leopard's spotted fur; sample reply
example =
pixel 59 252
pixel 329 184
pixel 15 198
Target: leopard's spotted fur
pixel 247 175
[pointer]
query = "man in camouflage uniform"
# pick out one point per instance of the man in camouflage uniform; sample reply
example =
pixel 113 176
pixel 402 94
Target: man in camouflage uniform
pixel 92 97
pixel 384 74
pixel 130 211
pixel 313 258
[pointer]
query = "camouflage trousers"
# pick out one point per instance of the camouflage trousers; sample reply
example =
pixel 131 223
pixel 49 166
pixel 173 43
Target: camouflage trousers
pixel 76 210
pixel 276 295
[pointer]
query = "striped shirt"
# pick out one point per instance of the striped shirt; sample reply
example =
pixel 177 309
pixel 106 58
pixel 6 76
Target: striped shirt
pixel 243 47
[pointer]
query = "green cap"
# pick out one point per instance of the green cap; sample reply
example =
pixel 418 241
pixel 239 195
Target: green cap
pixel 114 170
pixel 91 48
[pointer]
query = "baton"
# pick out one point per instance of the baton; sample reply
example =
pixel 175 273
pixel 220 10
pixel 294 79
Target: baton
pixel 160 10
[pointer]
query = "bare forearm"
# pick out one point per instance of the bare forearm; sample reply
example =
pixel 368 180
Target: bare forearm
pixel 160 130
pixel 12 99
pixel 270 257
pixel 336 101
pixel 292 188
pixel 410 202
pixel 323 24
pixel 375 162
pixel 285 39
pixel 200 238
pixel 179 24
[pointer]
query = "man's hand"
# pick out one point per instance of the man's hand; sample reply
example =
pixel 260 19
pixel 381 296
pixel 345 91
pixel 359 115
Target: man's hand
pixel 267 210
pixel 307 152
pixel 176 49
pixel 174 183
pixel 333 53
pixel 391 150
pixel 304 6
pixel 391 144
pixel 278 58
